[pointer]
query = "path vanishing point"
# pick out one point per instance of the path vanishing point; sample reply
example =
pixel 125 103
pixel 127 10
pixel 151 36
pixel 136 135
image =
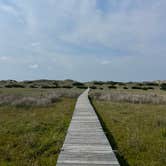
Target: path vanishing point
pixel 85 143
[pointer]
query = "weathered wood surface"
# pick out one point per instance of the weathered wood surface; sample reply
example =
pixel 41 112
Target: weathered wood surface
pixel 86 143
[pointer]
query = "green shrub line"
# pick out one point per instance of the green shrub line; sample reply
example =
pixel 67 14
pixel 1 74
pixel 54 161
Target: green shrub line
pixel 69 84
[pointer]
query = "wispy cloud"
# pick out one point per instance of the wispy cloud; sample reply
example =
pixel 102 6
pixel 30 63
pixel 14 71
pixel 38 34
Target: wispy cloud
pixel 4 58
pixel 105 62
pixel 34 66
pixel 81 34
pixel 8 9
pixel 35 44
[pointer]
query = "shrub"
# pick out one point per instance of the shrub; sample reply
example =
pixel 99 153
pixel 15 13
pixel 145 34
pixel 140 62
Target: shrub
pixel 93 87
pixel 163 86
pixel 139 84
pixel 78 84
pixel 125 87
pixel 48 86
pixel 150 87
pixel 112 87
pixel 121 83
pixel 33 86
pixel 14 86
pixel 111 82
pixel 144 88
pixel 136 87
pixel 98 82
pixel 67 87
pixel 151 84
pixel 82 87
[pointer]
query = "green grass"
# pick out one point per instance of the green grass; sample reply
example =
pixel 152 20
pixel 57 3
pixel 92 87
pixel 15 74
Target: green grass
pixel 33 136
pixel 137 131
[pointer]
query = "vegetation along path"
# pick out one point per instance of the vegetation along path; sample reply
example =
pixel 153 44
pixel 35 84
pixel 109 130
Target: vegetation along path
pixel 86 143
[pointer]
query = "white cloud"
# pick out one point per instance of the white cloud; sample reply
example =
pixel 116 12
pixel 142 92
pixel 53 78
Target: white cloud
pixel 9 9
pixel 105 62
pixel 34 66
pixel 5 58
pixel 35 44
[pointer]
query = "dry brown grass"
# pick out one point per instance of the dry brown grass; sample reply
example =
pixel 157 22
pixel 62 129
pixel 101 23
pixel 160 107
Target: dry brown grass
pixel 36 98
pixel 147 98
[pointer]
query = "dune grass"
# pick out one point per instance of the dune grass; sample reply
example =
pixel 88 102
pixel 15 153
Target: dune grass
pixel 137 131
pixel 33 136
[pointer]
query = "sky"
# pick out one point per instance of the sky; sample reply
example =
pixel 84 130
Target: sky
pixel 120 40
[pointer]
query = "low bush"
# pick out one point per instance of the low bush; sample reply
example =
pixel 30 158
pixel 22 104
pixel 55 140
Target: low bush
pixel 15 86
pixel 121 83
pixel 33 86
pixel 67 87
pixel 82 87
pixel 112 87
pixel 151 83
pixel 93 87
pixel 163 86
pixel 48 86
pixel 147 88
pixel 78 84
pixel 144 88
pixel 111 82
pixel 136 87
pixel 98 82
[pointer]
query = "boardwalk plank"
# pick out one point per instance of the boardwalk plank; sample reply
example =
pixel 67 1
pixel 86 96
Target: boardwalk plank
pixel 85 143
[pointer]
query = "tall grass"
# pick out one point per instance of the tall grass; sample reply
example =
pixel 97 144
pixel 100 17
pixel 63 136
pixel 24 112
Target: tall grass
pixel 36 98
pixel 150 98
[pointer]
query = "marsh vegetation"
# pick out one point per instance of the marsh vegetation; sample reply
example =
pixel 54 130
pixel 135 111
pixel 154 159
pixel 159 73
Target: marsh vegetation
pixel 34 117
pixel 137 131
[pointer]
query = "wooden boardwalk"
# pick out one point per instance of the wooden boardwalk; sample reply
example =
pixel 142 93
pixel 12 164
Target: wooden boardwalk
pixel 86 143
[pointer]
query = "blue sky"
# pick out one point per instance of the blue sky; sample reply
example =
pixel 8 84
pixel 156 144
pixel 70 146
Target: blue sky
pixel 122 40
